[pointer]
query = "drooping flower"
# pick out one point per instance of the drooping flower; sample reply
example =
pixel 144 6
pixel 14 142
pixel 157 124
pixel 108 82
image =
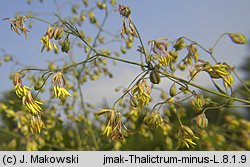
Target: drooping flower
pixel 141 92
pixel 198 102
pixel 165 60
pixel 20 90
pixel 51 33
pixel 220 70
pixel 59 85
pixel 36 124
pixel 129 30
pixel 114 126
pixel 153 119
pixel 187 137
pixel 160 47
pixel 18 24
pixel 193 52
pixel 32 105
pixel 46 43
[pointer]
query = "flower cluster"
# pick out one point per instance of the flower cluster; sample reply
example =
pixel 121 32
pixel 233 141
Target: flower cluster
pixel 141 93
pixel 160 47
pixel 198 102
pixel 36 124
pixel 193 53
pixel 113 128
pixel 187 137
pixel 128 30
pixel 51 33
pixel 153 119
pixel 220 70
pixel 20 89
pixel 59 85
pixel 18 24
pixel 33 106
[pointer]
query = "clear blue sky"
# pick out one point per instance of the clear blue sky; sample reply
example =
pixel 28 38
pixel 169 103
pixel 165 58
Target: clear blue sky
pixel 200 20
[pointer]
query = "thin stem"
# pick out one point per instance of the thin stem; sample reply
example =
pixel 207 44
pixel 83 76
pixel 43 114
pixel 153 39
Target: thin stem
pixel 218 39
pixel 178 117
pixel 142 45
pixel 242 82
pixel 34 69
pixel 81 96
pixel 122 60
pixel 36 18
pixel 128 90
pixel 205 89
pixel 165 101
pixel 210 52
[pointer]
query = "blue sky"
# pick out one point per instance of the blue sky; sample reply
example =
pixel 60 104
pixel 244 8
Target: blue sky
pixel 202 21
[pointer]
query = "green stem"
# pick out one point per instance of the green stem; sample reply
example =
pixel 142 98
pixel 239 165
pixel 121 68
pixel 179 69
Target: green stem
pixel 142 45
pixel 122 60
pixel 205 89
pixel 217 41
pixel 36 18
pixel 242 82
pixel 210 52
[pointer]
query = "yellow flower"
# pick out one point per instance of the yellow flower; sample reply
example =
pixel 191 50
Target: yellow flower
pixel 187 137
pixel 165 60
pixel 59 83
pixel 36 124
pixel 153 119
pixel 18 24
pixel 198 102
pixel 55 48
pixel 222 71
pixel 193 53
pixel 141 93
pixel 31 104
pixel 60 92
pixel 114 125
pixel 20 90
pixel 228 80
pixel 107 131
pixel 217 71
pixel 46 43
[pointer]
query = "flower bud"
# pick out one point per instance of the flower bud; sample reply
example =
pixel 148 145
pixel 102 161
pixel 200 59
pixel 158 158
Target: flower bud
pixel 172 91
pixel 7 58
pixel 238 38
pixel 198 102
pixel 38 85
pixel 180 44
pixel 66 45
pixel 173 54
pixel 155 77
pixel 187 131
pixel 101 5
pixel 130 38
pixel 129 44
pixel 182 67
pixel 202 121
pixel 124 11
pixel 50 32
pixel 58 33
